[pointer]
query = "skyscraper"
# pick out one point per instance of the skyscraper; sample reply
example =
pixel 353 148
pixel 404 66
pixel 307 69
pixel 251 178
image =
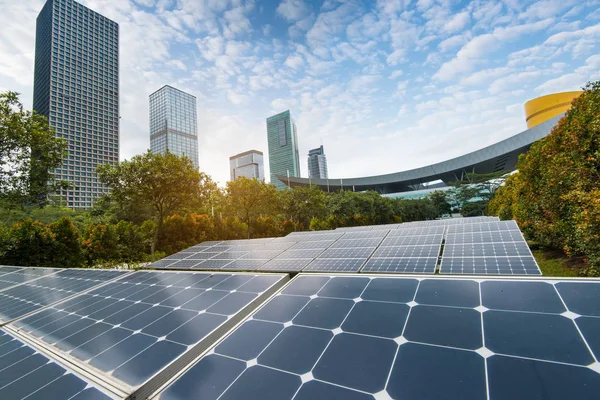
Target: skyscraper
pixel 283 147
pixel 76 85
pixel 248 164
pixel 317 163
pixel 173 123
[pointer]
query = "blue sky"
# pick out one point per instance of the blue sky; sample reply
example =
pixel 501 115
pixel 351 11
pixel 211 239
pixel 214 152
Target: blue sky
pixel 383 85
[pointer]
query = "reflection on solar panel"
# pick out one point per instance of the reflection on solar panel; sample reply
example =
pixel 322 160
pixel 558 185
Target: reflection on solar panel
pixel 401 265
pixel 213 264
pixel 8 270
pixel 26 373
pixel 364 235
pixel 34 295
pixel 507 249
pixel 299 253
pixel 129 330
pixel 336 264
pixel 484 237
pixel 412 240
pixel 484 227
pixel 433 230
pixel 24 275
pixel 400 338
pixel 244 265
pixel 343 243
pixel 490 265
pixel 356 252
pixel 408 251
pixel 321 244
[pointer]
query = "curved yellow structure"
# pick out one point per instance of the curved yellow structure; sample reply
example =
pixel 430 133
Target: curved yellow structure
pixel 543 108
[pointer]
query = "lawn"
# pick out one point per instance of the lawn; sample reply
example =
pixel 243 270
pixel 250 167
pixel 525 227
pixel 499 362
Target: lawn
pixel 553 263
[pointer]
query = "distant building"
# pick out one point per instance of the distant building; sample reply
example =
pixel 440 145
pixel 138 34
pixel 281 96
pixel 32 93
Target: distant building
pixel 173 123
pixel 248 164
pixel 76 86
pixel 284 158
pixel 317 163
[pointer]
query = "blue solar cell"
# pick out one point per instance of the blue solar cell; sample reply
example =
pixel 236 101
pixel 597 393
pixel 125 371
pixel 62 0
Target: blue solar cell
pixel 282 308
pixel 377 319
pixel 316 390
pixel 581 298
pixel 324 313
pixel 396 290
pixel 517 378
pixel 344 287
pixel 428 372
pixel 257 383
pixel 521 296
pixel 250 340
pixel 458 293
pixel 401 265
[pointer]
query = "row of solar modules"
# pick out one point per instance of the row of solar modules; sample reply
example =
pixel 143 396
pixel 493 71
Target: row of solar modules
pixel 194 335
pixel 480 245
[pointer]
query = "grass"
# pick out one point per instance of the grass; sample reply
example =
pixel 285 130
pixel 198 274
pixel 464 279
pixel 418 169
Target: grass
pixel 554 263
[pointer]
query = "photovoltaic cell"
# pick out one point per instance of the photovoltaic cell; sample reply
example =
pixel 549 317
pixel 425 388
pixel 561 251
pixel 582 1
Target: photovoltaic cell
pixel 484 227
pixel 506 249
pixel 412 240
pixel 130 329
pixel 401 265
pixel 26 373
pixel 433 230
pixel 244 265
pixel 286 265
pixel 24 275
pixel 299 253
pixel 335 265
pixel 28 297
pixel 367 242
pixel 484 237
pixel 379 233
pixel 357 252
pixel 351 337
pixel 213 264
pixel 321 244
pixel 490 266
pixel 8 270
pixel 408 251
pixel 186 264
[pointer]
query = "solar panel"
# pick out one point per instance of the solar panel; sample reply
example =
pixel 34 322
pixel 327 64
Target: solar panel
pixel 186 264
pixel 163 263
pixel 128 331
pixel 230 255
pixel 408 251
pixel 354 228
pixel 34 295
pixel 285 265
pixel 400 338
pixel 213 264
pixel 490 265
pixel 485 237
pixel 261 254
pixel 433 230
pixel 356 252
pixel 335 265
pixel 412 240
pixel 245 265
pixel 401 265
pixel 321 244
pixel 26 373
pixel 380 233
pixel 277 245
pixel 484 227
pixel 24 275
pixel 506 249
pixel 299 253
pixel 8 269
pixel 373 242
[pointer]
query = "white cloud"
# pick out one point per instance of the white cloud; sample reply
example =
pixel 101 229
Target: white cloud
pixel 457 23
pixel 396 74
pixel 293 10
pixel 590 71
pixel 294 61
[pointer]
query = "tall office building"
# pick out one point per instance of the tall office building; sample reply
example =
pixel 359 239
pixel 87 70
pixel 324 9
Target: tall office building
pixel 317 163
pixel 283 147
pixel 76 85
pixel 248 164
pixel 173 123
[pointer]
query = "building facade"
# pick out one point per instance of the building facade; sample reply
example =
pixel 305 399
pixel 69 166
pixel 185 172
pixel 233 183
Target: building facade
pixel 76 86
pixel 248 164
pixel 317 163
pixel 284 158
pixel 173 123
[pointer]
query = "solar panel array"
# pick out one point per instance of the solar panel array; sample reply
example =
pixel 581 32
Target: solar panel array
pixel 129 331
pixel 481 245
pixel 366 337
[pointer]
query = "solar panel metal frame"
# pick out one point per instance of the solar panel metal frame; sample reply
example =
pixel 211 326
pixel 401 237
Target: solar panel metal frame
pixel 175 366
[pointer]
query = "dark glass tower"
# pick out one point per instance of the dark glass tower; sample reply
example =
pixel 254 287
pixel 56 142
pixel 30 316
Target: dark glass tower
pixel 76 85
pixel 317 163
pixel 283 147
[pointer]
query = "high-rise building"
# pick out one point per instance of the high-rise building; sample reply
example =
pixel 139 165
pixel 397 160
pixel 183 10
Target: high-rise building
pixel 76 85
pixel 248 164
pixel 173 123
pixel 283 147
pixel 317 163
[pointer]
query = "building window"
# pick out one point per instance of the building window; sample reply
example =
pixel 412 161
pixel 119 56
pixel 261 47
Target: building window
pixel 282 136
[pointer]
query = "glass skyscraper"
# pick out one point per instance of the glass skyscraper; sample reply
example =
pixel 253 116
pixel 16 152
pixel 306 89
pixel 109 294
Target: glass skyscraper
pixel 76 85
pixel 317 163
pixel 283 147
pixel 248 164
pixel 173 123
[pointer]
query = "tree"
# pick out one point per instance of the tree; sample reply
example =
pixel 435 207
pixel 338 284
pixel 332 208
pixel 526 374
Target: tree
pixel 165 182
pixel 29 243
pixel 441 202
pixel 304 203
pixel 29 151
pixel 67 251
pixel 478 188
pixel 248 199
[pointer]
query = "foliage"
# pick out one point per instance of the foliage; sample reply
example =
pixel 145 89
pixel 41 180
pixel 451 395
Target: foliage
pixel 28 243
pixel 440 200
pixel 248 199
pixel 100 243
pixel 29 150
pixel 476 188
pixel 303 204
pixel 67 251
pixel 165 182
pixel 555 196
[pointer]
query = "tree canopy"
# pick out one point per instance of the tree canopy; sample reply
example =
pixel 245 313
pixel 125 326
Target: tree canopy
pixel 29 151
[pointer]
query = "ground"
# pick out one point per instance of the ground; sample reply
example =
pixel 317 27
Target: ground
pixel 556 263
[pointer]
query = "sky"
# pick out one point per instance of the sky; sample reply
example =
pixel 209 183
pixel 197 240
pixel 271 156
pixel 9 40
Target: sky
pixel 384 86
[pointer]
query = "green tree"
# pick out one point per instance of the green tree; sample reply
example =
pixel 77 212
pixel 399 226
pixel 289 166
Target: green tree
pixel 67 252
pixel 304 203
pixel 101 243
pixel 476 188
pixel 29 151
pixel 248 199
pixel 441 202
pixel 29 243
pixel 165 182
